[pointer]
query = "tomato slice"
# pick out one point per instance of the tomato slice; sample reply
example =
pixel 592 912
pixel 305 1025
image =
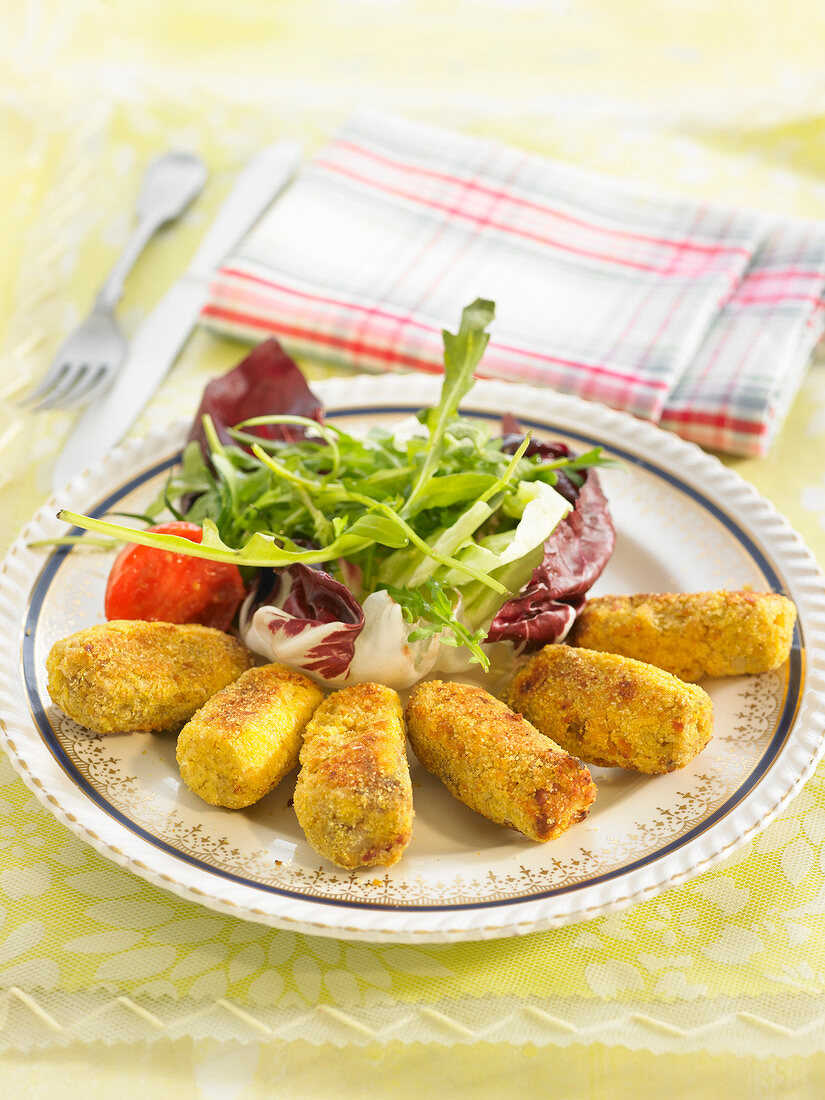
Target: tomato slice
pixel 146 583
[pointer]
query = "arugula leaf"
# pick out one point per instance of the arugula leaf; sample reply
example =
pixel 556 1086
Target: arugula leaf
pixel 327 433
pixel 462 353
pixel 259 550
pixel 380 529
pixel 432 609
pixel 443 492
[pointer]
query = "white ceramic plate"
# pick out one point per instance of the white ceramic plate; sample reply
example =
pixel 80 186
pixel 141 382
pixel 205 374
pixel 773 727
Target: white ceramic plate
pixel 684 523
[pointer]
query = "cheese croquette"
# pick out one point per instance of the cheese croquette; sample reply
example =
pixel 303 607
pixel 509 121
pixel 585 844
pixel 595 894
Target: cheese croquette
pixel 612 711
pixel 692 634
pixel 353 798
pixel 245 739
pixel 495 762
pixel 130 675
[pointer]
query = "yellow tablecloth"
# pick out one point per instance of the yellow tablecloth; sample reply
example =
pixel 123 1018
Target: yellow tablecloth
pixel 703 97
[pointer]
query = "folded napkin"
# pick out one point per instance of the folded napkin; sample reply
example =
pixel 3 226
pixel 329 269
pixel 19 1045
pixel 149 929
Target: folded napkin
pixel 693 314
pixel 737 389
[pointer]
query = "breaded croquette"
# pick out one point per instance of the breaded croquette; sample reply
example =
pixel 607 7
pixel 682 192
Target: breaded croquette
pixel 245 739
pixel 495 762
pixel 353 797
pixel 131 675
pixel 612 711
pixel 692 634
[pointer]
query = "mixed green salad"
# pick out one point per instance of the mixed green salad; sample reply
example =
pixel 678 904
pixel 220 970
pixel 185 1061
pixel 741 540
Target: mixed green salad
pixel 377 551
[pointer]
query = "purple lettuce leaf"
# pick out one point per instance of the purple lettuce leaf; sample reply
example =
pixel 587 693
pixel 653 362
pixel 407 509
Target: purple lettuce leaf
pixel 310 620
pixel 574 556
pixel 534 619
pixel 578 550
pixel 267 382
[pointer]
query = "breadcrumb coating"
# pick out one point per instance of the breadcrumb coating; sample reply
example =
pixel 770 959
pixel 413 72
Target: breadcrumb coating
pixel 612 711
pixel 353 797
pixel 495 762
pixel 692 634
pixel 134 676
pixel 246 738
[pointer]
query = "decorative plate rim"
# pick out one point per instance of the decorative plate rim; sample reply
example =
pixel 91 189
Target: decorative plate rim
pixel 782 781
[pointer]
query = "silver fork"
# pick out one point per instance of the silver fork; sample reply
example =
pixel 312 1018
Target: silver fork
pixel 88 360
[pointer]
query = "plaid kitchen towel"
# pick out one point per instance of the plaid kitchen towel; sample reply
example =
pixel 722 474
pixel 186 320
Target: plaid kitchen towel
pixel 737 389
pixel 661 305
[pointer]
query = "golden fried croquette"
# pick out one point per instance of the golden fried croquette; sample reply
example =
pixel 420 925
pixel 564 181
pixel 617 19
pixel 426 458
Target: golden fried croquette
pixel 612 711
pixel 692 634
pixel 245 739
pixel 131 675
pixel 353 797
pixel 495 762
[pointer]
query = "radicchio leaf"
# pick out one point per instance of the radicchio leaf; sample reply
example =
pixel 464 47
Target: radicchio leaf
pixel 267 382
pixel 574 556
pixel 303 617
pixel 533 619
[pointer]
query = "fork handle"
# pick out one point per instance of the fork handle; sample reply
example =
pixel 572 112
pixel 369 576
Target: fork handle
pixel 110 293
